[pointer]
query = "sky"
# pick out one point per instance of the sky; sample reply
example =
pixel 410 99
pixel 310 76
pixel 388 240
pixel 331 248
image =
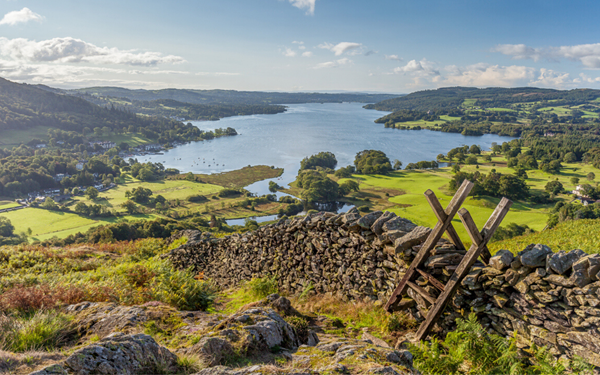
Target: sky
pixel 394 46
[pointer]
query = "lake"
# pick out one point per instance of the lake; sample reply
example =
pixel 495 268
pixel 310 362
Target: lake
pixel 282 140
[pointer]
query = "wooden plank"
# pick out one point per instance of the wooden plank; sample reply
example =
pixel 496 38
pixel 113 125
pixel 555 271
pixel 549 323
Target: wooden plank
pixel 474 235
pixel 465 265
pixel 431 241
pixel 441 215
pixel 435 282
pixel 421 291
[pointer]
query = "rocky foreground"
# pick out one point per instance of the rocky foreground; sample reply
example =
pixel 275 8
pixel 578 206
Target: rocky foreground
pixel 546 298
pixel 260 338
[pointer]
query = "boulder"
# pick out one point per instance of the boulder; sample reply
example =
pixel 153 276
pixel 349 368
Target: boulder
pixel 269 330
pixel 502 259
pixel 377 226
pixel 536 256
pixel 213 350
pixel 365 222
pixel 117 354
pixel 398 223
pixel 415 237
pixel 103 318
pixel 581 275
pixel 562 261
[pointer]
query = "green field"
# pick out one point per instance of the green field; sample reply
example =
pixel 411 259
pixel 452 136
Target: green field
pixel 46 224
pixel 405 194
pixel 566 236
pixel 14 137
pixel 8 204
pixel 170 189
pixel 132 139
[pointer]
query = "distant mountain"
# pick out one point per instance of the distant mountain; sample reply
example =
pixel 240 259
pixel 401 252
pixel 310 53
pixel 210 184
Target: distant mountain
pixel 232 96
pixel 453 97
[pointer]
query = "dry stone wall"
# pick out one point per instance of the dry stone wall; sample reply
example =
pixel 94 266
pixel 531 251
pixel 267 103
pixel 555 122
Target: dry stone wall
pixel 550 299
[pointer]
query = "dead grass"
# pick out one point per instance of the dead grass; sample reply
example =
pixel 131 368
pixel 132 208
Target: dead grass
pixel 25 363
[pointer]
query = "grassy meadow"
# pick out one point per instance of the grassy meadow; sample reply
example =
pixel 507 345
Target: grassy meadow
pixel 402 192
pixel 45 224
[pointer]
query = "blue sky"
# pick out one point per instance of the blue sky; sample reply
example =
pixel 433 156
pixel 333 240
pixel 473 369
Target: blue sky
pixel 394 46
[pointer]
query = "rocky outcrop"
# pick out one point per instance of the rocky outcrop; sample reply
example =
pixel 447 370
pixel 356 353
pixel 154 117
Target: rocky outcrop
pixel 117 354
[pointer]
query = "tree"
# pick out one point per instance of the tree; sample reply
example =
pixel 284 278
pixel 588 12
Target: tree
pixel 348 187
pixel 513 187
pixel 82 209
pixel 139 194
pixel 372 162
pixel 554 187
pixel 575 180
pixel 398 164
pixel 322 159
pixel 6 227
pixel 471 159
pixel 190 177
pixel 345 172
pixel 50 204
pixel 474 149
pixel 591 176
pixel 129 206
pixel 91 193
pixel 570 157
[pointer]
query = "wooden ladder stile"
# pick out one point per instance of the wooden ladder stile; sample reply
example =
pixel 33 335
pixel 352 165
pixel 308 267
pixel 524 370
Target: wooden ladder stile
pixel 477 250
pixel 444 222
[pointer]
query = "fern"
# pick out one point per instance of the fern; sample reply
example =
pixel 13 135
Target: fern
pixel 470 349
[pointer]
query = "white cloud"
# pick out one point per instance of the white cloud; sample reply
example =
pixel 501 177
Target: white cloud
pixel 551 78
pixel 288 52
pixel 302 47
pixel 393 57
pixel 422 68
pixel 333 64
pixel 217 74
pixel 341 48
pixel 297 42
pixel 71 50
pixel 309 5
pixel 481 75
pixel 307 54
pixel 20 16
pixel 587 54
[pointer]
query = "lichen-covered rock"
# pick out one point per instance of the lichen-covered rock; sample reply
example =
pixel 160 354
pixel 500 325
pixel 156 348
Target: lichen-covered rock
pixel 502 259
pixel 368 220
pixel 268 329
pixel 104 318
pixel 377 226
pixel 562 261
pixel 536 256
pixel 213 350
pixel 117 354
pixel 415 237
pixel 398 223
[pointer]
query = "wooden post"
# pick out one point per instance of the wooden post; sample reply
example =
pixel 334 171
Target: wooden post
pixel 431 241
pixel 480 240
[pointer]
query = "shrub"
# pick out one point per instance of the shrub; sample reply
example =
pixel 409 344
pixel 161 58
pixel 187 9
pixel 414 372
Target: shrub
pixel 471 350
pixel 262 287
pixel 229 193
pixel 364 209
pixel 45 330
pixel 30 298
pixel 196 198
pixel 300 326
pixel 180 289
